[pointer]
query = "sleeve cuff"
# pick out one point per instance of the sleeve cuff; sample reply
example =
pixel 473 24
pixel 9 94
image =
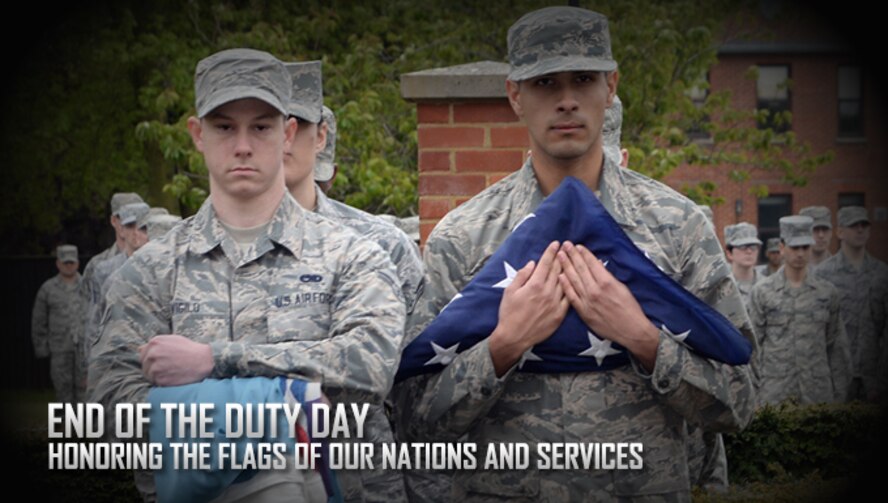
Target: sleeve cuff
pixel 666 376
pixel 225 358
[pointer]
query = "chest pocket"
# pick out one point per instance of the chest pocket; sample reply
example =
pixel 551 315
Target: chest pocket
pixel 300 306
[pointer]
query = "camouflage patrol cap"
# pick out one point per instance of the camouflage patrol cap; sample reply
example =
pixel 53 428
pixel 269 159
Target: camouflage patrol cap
pixel 850 215
pixel 773 245
pixel 708 212
pixel 236 74
pixel 130 213
pixel 741 234
pixel 797 230
pixel 613 125
pixel 142 221
pixel 66 253
pixel 821 215
pixel 307 93
pixel 158 225
pixel 325 164
pixel 559 39
pixel 120 199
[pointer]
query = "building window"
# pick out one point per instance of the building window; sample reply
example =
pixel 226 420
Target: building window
pixel 850 102
pixel 770 210
pixel 772 91
pixel 851 199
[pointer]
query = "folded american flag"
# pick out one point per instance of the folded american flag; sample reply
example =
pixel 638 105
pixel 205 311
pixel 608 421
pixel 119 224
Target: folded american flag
pixel 192 485
pixel 572 213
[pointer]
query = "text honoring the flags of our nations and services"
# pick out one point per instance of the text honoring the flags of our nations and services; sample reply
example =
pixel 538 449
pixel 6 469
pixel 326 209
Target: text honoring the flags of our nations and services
pixel 264 436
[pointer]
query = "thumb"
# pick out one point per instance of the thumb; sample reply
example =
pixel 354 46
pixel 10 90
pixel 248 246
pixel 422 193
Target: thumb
pixel 523 275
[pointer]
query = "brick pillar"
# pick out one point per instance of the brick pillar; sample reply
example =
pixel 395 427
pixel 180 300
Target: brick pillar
pixel 469 137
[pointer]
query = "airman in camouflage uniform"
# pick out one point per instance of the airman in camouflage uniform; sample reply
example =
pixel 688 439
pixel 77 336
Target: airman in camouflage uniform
pixel 91 285
pixel 822 233
pixel 743 246
pixel 56 322
pixel 253 285
pixel 860 279
pixel 775 260
pixel 315 140
pixel 480 394
pixel 128 216
pixel 118 201
pixel 304 170
pixel 804 350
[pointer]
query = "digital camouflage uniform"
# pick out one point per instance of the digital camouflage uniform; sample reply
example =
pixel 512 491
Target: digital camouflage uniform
pixel 310 299
pixel 56 324
pixel 743 234
pixel 802 343
pixel 862 300
pixel 621 405
pixel 403 252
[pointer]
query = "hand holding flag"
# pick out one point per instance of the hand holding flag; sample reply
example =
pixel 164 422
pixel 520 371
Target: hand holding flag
pixel 532 308
pixel 605 304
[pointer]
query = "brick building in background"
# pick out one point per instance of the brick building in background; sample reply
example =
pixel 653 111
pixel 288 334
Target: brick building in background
pixel 469 137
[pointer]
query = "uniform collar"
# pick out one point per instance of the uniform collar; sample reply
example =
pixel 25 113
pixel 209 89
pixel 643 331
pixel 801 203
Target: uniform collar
pixel 783 283
pixel 612 190
pixel 322 202
pixel 286 229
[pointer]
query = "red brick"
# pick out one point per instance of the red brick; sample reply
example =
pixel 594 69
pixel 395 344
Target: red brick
pixel 459 200
pixel 499 111
pixel 450 185
pixel 489 160
pixel 432 113
pixel 433 208
pixel 509 137
pixel 434 161
pixel 433 137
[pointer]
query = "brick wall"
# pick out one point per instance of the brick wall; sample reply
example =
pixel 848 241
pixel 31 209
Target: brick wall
pixel 464 146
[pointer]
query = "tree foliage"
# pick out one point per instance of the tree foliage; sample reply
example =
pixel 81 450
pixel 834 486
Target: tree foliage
pixel 101 103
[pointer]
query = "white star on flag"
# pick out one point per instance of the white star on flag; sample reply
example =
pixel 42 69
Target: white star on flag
pixel 528 356
pixel 599 348
pixel 455 297
pixel 527 217
pixel 652 260
pixel 443 356
pixel 510 276
pixel 678 337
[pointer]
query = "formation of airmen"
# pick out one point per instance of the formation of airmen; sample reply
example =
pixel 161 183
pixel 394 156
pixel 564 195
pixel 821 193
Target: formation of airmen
pixel 271 277
pixel 819 318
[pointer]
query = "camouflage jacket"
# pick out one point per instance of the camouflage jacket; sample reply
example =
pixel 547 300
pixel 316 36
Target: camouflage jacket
pixel 861 294
pixel 762 271
pixel 95 306
pixel 90 269
pixel 804 352
pixel 309 299
pixel 57 317
pixel 90 290
pixel 620 405
pixel 745 287
pixel 402 250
